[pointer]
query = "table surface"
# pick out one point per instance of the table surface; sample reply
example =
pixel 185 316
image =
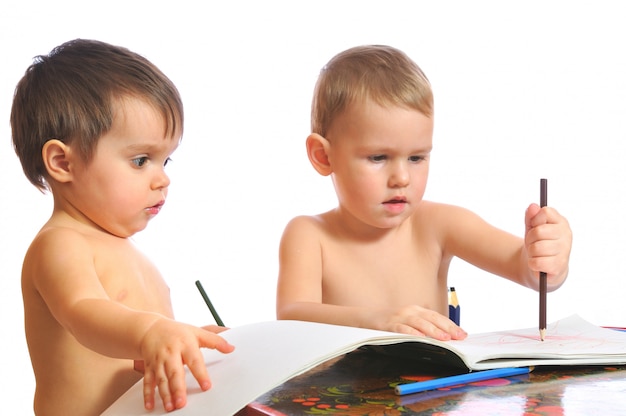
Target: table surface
pixel 362 383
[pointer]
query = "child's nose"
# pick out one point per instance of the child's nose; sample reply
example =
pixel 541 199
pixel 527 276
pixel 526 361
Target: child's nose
pixel 399 176
pixel 161 180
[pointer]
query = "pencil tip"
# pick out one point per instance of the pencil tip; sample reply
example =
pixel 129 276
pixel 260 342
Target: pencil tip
pixel 542 334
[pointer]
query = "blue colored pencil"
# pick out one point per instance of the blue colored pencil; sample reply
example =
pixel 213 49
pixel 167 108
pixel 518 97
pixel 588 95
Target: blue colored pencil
pixel 439 383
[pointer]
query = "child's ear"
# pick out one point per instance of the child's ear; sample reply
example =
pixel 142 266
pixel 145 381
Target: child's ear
pixel 317 149
pixel 56 158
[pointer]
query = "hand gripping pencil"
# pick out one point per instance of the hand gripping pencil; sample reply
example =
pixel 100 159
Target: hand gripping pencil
pixel 543 278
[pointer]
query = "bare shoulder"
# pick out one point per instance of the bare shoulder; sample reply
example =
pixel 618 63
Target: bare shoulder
pixel 52 234
pixel 51 242
pixel 307 225
pixel 53 251
pixel 304 236
pixel 319 220
pixel 442 215
pixel 432 207
pixel 451 225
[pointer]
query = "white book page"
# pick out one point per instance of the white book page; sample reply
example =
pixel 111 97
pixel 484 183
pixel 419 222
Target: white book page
pixel 266 355
pixel 269 353
pixel 568 341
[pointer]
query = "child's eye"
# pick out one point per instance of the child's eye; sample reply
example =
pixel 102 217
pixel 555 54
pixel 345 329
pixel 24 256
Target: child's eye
pixel 168 160
pixel 140 161
pixel 377 158
pixel 416 159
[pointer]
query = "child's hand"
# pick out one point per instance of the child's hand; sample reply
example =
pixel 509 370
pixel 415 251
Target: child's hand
pixel 215 328
pixel 415 320
pixel 548 243
pixel 166 348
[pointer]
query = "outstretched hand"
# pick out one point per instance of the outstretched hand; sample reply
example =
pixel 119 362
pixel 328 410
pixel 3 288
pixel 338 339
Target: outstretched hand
pixel 416 320
pixel 166 348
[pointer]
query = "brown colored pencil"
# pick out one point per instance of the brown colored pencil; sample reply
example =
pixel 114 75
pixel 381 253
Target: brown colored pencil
pixel 543 278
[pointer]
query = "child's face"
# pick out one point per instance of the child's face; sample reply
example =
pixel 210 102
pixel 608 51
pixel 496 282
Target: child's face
pixel 125 184
pixel 379 158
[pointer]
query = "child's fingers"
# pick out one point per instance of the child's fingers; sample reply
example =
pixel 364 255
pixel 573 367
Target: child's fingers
pixel 536 216
pixel 431 330
pixel 452 330
pixel 170 381
pixel 531 213
pixel 435 325
pixel 195 362
pixel 168 376
pixel 148 390
pixel 162 384
pixel 208 339
pixel 193 358
pixel 176 385
pixel 214 328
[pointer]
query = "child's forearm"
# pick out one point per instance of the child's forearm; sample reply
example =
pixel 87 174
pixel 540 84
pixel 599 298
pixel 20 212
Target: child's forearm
pixel 110 328
pixel 409 319
pixel 331 314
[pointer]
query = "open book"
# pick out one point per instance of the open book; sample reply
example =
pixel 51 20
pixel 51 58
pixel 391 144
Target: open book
pixel 269 353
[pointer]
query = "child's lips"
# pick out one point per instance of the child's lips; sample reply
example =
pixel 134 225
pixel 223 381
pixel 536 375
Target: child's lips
pixel 396 200
pixel 154 209
pixel 396 205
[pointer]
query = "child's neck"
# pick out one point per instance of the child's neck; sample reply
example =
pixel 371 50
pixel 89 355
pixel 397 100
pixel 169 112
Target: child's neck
pixel 354 228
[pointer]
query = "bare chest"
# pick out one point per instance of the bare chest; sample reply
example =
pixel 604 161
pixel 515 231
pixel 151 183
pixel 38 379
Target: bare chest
pixel 130 278
pixel 383 275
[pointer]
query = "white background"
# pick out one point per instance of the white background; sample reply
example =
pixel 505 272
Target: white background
pixel 523 90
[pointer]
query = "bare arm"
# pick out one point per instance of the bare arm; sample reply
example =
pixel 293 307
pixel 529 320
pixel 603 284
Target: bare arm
pixel 60 264
pixel 545 247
